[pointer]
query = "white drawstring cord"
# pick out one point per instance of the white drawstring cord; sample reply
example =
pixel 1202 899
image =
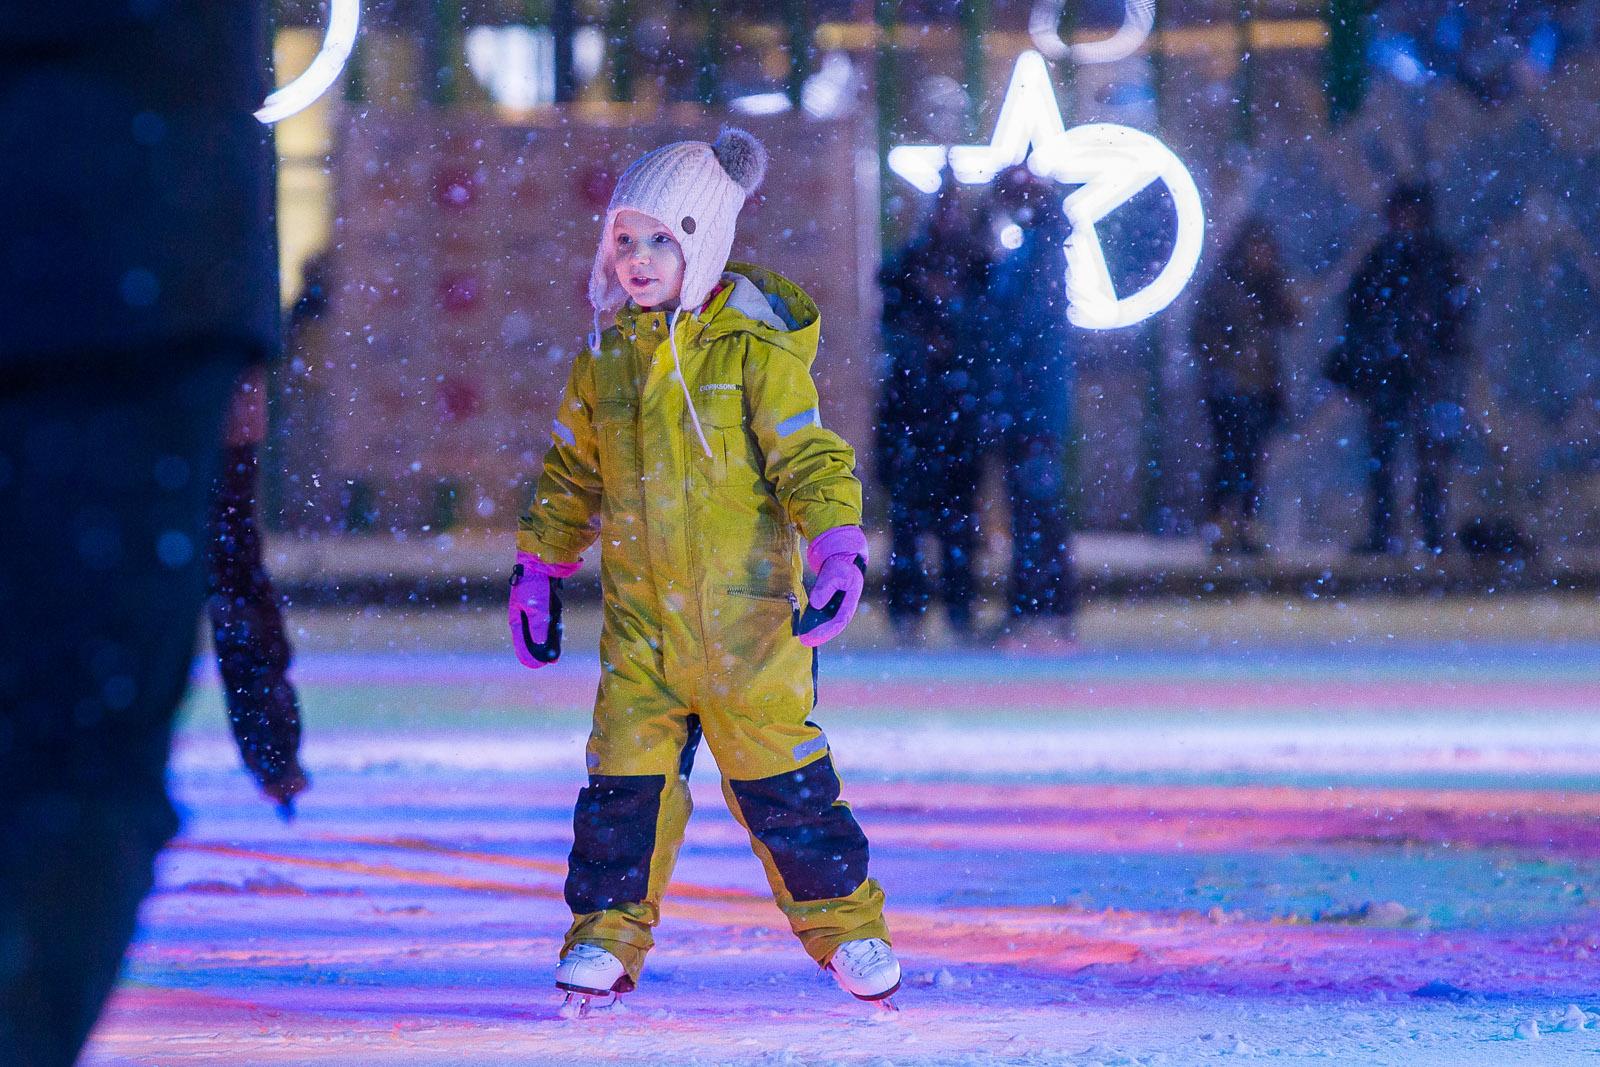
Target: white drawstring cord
pixel 677 369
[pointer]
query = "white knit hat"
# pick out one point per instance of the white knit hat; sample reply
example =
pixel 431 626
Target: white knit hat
pixel 695 190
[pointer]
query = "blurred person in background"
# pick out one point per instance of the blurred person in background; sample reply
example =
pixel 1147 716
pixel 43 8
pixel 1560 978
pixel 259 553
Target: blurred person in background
pixel 927 445
pixel 1238 338
pixel 1402 357
pixel 140 278
pixel 1026 372
pixel 303 412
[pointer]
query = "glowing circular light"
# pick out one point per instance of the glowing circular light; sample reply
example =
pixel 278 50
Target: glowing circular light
pixel 1138 19
pixel 1113 164
pixel 344 18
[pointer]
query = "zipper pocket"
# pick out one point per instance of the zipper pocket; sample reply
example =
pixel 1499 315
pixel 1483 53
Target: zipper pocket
pixel 759 594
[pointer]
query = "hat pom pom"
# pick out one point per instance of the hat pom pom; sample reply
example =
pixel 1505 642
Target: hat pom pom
pixel 742 156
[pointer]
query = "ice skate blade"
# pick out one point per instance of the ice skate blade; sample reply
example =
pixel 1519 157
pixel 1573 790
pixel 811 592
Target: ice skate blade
pixel 584 991
pixel 580 1004
pixel 880 998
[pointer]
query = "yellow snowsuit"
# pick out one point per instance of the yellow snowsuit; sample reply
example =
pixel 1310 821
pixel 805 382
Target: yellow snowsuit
pixel 700 570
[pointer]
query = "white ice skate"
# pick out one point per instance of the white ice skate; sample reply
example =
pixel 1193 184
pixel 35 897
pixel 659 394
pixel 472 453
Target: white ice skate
pixel 589 973
pixel 867 970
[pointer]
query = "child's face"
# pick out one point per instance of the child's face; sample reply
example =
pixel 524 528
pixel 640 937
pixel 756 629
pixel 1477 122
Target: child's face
pixel 649 262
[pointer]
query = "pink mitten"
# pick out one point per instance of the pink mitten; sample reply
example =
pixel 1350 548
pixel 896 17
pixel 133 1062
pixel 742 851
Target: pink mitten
pixel 535 609
pixel 839 557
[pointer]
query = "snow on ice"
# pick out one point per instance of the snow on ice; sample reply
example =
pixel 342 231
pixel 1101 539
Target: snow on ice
pixel 1160 853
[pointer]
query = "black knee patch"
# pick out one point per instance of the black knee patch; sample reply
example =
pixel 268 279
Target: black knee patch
pixel 613 838
pixel 818 848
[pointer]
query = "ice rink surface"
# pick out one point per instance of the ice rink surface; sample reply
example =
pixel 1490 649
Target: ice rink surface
pixel 1269 830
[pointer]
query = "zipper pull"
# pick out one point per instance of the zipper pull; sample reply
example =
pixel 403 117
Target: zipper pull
pixel 794 614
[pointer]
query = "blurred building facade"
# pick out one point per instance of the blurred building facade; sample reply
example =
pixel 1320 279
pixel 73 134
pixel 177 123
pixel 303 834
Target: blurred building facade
pixel 457 183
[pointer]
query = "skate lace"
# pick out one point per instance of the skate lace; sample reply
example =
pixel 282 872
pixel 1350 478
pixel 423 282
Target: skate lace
pixel 867 955
pixel 589 953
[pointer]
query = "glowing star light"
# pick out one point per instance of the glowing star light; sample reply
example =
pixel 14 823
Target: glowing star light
pixel 1029 116
pixel 344 18
pixel 1113 164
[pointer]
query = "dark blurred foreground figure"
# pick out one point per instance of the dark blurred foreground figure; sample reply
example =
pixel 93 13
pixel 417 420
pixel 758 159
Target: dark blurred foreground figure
pixel 1027 375
pixel 247 628
pixel 1402 358
pixel 927 431
pixel 1238 336
pixel 137 278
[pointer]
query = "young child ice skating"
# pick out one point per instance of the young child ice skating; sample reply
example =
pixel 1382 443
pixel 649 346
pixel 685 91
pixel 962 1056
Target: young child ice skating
pixel 689 443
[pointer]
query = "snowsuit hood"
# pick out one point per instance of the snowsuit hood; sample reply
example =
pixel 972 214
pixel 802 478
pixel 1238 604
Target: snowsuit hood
pixel 767 306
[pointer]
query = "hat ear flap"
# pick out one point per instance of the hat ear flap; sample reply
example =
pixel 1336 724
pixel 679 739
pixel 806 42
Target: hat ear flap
pixel 605 292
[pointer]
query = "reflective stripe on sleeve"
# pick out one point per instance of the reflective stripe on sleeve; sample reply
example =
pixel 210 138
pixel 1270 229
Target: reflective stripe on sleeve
pixel 809 417
pixel 811 747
